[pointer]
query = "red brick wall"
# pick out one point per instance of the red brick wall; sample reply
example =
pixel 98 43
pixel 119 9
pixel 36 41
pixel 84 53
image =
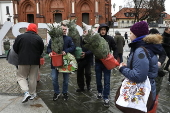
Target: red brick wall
pixel 46 8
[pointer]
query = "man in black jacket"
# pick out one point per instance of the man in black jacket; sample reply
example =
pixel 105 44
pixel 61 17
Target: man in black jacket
pixel 84 67
pixel 29 47
pixel 166 46
pixel 99 67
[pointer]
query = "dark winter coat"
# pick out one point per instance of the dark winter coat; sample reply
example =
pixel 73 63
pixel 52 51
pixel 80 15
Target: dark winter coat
pixel 142 66
pixel 120 42
pixel 88 54
pixel 68 46
pixel 29 47
pixel 126 36
pixel 166 42
pixel 110 40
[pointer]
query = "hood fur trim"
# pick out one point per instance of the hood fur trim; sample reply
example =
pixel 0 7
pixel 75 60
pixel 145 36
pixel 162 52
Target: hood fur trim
pixel 153 38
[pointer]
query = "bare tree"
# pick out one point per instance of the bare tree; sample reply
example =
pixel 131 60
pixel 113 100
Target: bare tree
pixel 149 10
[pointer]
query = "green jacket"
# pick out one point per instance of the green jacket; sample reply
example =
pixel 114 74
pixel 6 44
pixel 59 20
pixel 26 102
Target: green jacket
pixel 120 42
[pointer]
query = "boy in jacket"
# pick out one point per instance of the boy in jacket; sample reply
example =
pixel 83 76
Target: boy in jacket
pixel 103 92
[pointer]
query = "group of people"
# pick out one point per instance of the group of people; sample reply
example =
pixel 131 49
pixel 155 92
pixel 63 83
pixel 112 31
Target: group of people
pixel 29 47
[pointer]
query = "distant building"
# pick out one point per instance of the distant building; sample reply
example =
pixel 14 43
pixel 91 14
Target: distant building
pixel 6 11
pixel 166 20
pixel 48 11
pixel 124 18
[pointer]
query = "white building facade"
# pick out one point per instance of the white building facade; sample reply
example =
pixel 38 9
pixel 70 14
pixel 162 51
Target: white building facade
pixel 6 11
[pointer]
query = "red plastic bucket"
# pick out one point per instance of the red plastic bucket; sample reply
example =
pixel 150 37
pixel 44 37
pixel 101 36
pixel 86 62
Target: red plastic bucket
pixel 57 59
pixel 42 60
pixel 110 62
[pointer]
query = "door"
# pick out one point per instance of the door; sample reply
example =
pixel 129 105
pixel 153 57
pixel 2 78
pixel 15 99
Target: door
pixel 85 18
pixel 30 18
pixel 57 17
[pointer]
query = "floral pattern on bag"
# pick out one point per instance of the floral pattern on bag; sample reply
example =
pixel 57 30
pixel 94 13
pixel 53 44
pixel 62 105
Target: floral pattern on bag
pixel 69 64
pixel 133 92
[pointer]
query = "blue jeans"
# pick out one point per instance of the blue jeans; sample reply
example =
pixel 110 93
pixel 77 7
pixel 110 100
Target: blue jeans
pixel 99 68
pixel 54 74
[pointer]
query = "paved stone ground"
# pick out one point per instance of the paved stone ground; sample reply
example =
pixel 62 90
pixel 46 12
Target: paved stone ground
pixel 8 82
pixel 11 95
pixel 85 102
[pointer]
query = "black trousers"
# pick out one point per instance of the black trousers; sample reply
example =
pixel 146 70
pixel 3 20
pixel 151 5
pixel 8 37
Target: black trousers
pixel 84 68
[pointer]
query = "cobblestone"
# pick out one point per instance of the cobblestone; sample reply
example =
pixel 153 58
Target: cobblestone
pixel 8 82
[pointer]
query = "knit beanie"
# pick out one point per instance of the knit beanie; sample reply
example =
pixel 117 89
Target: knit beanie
pixel 140 29
pixel 117 32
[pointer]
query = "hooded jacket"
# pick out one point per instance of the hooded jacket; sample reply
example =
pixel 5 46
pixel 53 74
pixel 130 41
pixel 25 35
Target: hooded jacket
pixel 143 66
pixel 110 40
pixel 29 46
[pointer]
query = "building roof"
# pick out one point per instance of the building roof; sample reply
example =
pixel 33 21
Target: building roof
pixel 167 16
pixel 120 14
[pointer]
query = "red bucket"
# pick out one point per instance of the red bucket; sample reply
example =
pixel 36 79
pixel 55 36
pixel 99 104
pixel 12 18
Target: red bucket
pixel 110 62
pixel 57 59
pixel 42 60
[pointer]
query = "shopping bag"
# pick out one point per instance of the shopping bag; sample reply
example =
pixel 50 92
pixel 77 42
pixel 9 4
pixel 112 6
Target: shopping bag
pixel 134 97
pixel 69 64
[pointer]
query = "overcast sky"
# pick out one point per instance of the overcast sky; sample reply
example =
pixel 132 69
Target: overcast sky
pixel 123 3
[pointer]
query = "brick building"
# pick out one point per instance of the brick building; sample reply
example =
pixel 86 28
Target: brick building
pixel 48 11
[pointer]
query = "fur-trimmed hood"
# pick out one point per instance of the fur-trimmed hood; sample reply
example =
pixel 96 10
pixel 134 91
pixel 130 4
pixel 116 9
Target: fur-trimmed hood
pixel 151 42
pixel 153 38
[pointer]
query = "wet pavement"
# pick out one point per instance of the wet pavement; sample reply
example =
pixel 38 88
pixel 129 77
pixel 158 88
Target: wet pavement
pixel 85 102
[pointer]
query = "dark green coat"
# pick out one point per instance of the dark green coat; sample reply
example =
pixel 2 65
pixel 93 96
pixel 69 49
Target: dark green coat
pixel 120 42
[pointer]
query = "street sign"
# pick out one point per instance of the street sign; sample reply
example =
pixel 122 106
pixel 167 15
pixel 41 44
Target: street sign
pixel 115 24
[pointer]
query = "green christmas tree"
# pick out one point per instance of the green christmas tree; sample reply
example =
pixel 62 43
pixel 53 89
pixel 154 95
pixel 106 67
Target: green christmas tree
pixel 96 44
pixel 56 34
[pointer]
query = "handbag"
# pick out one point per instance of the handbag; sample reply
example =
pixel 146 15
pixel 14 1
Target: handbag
pixel 12 57
pixel 69 64
pixel 134 97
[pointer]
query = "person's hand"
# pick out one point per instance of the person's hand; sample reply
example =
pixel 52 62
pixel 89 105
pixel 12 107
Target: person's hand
pixel 122 64
pixel 159 64
pixel 50 54
pixel 63 52
pixel 82 54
